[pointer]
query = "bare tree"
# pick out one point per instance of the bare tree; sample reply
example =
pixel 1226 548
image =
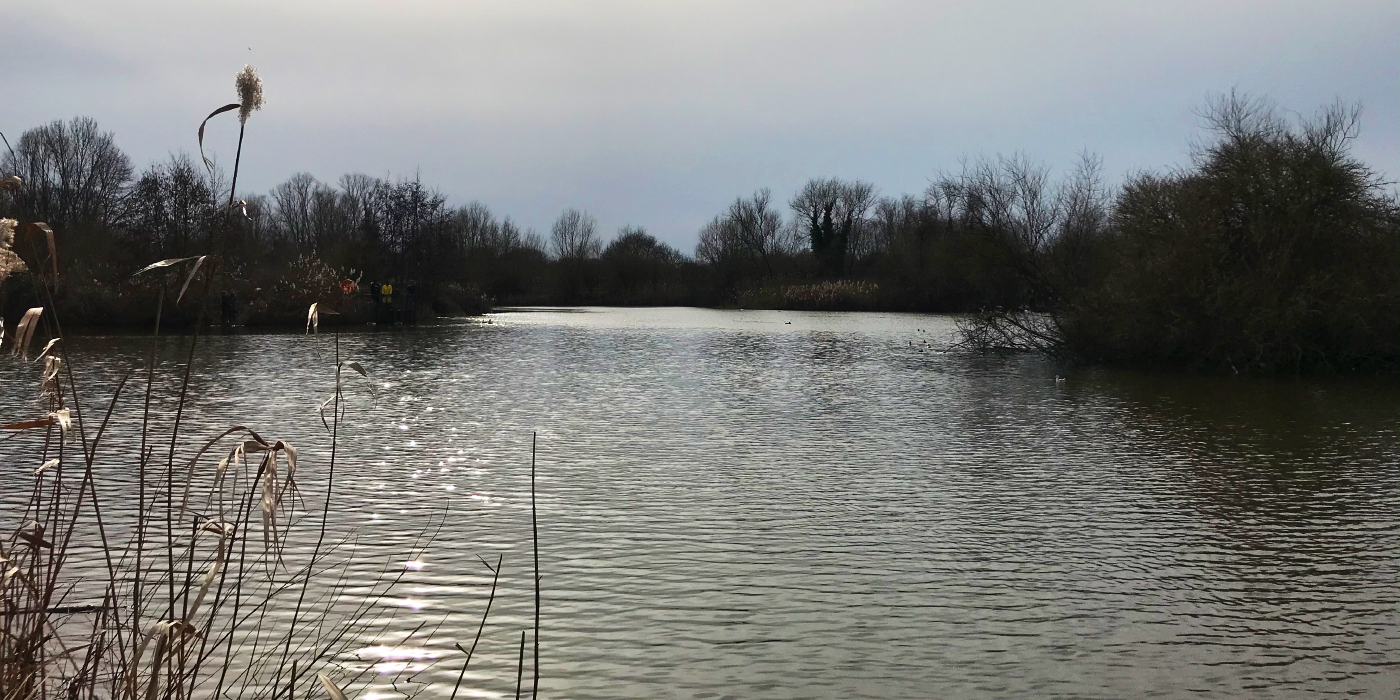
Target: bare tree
pixel 73 172
pixel 834 213
pixel 529 240
pixel 358 195
pixel 475 228
pixel 575 236
pixel 329 224
pixel 511 238
pixel 718 243
pixel 292 202
pixel 256 220
pixel 750 230
pixel 1036 225
pixel 757 226
pixel 171 207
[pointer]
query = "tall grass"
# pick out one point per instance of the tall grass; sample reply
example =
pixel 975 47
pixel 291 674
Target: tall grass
pixel 191 586
pixel 188 589
pixel 829 295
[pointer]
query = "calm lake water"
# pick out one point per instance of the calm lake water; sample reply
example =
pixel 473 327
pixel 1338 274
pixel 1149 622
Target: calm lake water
pixel 795 505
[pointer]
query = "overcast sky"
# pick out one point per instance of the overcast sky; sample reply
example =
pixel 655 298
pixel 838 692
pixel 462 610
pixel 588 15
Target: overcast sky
pixel 660 113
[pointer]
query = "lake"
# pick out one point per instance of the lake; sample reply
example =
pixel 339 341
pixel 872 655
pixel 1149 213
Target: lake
pixel 766 504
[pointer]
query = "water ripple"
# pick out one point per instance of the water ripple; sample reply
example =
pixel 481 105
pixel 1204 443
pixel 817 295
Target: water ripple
pixel 735 506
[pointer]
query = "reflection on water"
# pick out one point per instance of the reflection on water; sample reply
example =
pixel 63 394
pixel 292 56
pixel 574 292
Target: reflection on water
pixel 775 504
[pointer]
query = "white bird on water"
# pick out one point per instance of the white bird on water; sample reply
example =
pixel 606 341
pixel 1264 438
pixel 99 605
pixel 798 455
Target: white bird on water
pixel 1059 379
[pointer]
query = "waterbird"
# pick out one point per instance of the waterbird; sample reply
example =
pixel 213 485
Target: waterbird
pixel 1059 379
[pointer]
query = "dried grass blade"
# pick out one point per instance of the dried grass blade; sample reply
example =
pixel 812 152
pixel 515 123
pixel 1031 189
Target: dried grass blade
pixel 291 458
pixel 64 419
pixel 12 182
pixel 257 440
pixel 209 576
pixel 47 347
pixel 195 268
pixel 24 332
pixel 334 692
pixel 361 371
pixel 45 467
pixel 189 468
pixel 288 484
pixel 226 108
pixel 313 318
pixel 49 383
pixel 48 235
pixel 219 528
pixel 164 263
pixel 269 503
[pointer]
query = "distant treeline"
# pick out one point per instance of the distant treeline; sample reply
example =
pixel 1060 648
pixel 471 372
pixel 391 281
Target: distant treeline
pixel 1275 250
pixel 841 247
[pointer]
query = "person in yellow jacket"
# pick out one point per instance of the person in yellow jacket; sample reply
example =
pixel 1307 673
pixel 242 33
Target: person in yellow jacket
pixel 385 312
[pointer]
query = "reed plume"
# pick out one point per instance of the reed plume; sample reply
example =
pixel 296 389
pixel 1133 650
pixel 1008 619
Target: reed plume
pixel 250 93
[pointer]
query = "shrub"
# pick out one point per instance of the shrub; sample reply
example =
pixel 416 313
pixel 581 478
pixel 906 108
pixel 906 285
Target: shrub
pixel 1277 251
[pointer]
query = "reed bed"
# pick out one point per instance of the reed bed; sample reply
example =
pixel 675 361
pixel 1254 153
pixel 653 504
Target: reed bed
pixel 188 588
pixel 833 295
pixel 207 582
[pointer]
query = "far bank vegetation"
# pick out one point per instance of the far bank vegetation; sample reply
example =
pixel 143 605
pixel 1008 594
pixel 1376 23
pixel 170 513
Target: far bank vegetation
pixel 1273 250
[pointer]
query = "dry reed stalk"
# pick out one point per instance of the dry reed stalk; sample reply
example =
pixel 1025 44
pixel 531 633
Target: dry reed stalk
pixel 177 656
pixel 520 666
pixel 495 577
pixel 535 541
pixel 165 627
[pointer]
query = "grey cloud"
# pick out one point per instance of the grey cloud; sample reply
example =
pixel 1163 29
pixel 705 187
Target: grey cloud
pixel 659 113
